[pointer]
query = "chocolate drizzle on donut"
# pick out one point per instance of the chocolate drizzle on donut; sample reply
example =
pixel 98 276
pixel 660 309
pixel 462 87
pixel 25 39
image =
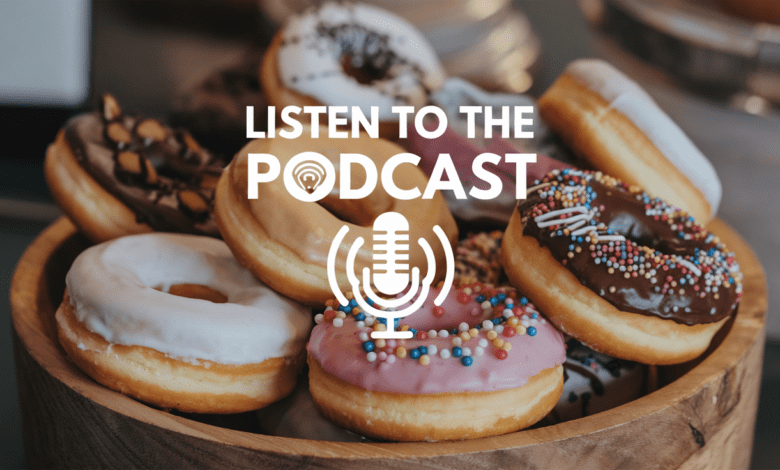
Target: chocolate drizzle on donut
pixel 586 362
pixel 594 382
pixel 638 253
pixel 162 174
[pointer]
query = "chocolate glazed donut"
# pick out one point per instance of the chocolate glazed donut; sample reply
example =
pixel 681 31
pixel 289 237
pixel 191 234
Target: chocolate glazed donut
pixel 157 177
pixel 626 274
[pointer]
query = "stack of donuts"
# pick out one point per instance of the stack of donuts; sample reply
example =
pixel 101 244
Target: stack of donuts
pixel 199 299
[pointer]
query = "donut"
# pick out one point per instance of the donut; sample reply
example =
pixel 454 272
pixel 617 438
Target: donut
pixel 285 242
pixel 455 141
pixel 477 259
pixel 115 175
pixel 351 55
pixel 594 382
pixel 174 321
pixel 624 273
pixel 214 110
pixel 612 123
pixel 483 363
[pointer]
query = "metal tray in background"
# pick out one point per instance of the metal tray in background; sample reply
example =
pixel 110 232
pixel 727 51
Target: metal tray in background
pixel 704 49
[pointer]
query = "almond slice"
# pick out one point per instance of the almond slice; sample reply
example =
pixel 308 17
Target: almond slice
pixel 193 201
pixel 151 173
pixel 129 162
pixel 151 129
pixel 191 143
pixel 111 109
pixel 118 134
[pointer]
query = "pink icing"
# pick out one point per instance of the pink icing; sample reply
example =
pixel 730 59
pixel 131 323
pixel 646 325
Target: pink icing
pixel 339 351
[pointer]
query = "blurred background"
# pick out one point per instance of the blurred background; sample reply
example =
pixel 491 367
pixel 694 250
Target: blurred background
pixel 716 73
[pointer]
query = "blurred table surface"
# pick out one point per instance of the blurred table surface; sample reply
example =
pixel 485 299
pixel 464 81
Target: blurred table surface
pixel 145 63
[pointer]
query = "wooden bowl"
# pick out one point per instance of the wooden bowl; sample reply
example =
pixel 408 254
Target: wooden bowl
pixel 702 416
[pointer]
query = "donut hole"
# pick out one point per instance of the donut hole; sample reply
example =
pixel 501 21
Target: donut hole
pixel 362 70
pixel 360 212
pixel 452 314
pixel 364 55
pixel 419 321
pixel 634 229
pixel 197 291
pixel 643 231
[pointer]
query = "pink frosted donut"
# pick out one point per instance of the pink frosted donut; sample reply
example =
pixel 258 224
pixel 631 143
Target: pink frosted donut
pixel 481 364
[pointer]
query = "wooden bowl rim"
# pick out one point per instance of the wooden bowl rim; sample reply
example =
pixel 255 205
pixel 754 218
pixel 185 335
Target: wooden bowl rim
pixel 29 290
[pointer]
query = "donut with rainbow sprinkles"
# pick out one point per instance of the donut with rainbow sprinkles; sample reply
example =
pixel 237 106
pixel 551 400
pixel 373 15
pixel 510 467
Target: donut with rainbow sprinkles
pixel 623 272
pixel 482 363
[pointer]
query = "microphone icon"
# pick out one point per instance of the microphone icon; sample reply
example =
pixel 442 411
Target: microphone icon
pixel 391 272
pixel 391 250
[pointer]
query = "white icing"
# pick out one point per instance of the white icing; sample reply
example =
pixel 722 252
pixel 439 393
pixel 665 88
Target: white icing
pixel 625 96
pixel 456 92
pixel 575 223
pixel 112 287
pixel 310 64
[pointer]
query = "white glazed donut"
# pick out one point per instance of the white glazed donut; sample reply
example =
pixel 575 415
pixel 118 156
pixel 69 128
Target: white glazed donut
pixel 456 93
pixel 611 122
pixel 121 323
pixel 351 55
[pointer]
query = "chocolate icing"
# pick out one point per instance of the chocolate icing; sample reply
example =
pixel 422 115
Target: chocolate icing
pixel 169 184
pixel 661 253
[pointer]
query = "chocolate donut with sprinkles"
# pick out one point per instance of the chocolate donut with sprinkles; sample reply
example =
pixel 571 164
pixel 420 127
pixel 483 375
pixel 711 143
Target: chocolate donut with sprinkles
pixel 626 274
pixel 482 363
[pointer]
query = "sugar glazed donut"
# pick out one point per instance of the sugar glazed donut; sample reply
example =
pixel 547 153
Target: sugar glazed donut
pixel 610 121
pixel 626 274
pixel 115 175
pixel 351 55
pixel 285 242
pixel 483 363
pixel 174 321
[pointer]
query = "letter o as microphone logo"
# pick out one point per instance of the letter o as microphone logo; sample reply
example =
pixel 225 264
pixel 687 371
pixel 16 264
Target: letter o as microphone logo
pixel 309 176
